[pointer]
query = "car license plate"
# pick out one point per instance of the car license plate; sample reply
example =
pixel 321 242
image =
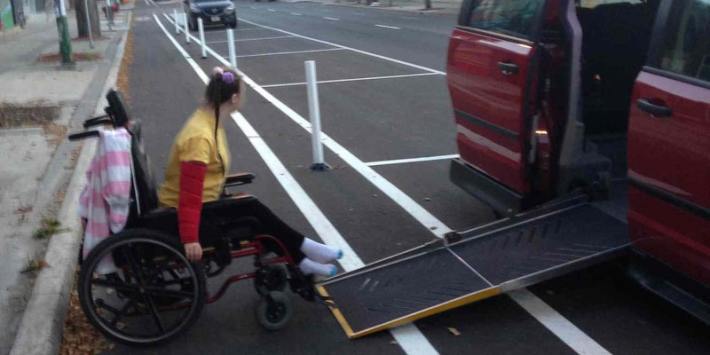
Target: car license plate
pixel 214 18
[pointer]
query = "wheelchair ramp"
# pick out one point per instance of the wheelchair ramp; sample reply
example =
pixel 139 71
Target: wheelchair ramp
pixel 486 262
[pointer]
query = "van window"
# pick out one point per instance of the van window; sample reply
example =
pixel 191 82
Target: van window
pixel 686 47
pixel 510 17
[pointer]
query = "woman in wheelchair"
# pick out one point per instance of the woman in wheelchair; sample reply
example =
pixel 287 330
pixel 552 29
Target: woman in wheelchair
pixel 195 175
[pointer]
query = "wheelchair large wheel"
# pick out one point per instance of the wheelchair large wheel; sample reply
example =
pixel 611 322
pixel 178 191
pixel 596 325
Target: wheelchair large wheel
pixel 138 288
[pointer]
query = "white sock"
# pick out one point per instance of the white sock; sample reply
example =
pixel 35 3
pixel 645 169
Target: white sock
pixel 320 252
pixel 309 267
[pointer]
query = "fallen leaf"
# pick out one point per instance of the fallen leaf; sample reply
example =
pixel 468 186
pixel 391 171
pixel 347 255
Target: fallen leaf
pixel 454 331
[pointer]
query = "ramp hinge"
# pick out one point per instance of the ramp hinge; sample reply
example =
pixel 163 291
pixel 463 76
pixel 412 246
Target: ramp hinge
pixel 452 237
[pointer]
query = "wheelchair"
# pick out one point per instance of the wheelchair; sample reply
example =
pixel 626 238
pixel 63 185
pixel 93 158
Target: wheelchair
pixel 153 293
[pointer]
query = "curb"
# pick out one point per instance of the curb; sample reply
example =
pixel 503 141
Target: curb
pixel 40 331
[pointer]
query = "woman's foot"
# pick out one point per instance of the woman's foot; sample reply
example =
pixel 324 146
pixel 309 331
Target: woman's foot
pixel 320 252
pixel 310 267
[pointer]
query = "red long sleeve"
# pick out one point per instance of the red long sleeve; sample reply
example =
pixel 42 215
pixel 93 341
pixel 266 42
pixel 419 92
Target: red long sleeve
pixel 192 178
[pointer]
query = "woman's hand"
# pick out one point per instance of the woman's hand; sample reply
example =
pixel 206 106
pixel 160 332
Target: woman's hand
pixel 193 251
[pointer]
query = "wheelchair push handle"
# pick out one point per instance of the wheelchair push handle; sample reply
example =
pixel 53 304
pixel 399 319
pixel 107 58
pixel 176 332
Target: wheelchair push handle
pixel 97 121
pixel 116 115
pixel 82 135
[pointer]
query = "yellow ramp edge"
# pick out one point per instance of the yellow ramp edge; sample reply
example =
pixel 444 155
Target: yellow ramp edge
pixel 427 312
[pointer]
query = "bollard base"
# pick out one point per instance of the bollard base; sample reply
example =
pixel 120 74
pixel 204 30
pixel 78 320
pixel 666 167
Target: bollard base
pixel 320 167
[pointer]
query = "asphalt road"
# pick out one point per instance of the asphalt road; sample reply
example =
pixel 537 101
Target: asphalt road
pixel 375 119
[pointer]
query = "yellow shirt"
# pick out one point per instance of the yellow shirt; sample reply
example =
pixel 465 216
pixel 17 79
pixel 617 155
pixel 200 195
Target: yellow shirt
pixel 196 142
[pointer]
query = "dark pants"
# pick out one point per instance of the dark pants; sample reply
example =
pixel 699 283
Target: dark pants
pixel 239 218
pixel 230 216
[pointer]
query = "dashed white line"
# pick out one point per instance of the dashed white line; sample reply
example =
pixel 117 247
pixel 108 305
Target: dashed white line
pixel 248 29
pixel 260 38
pixel 352 79
pixel 349 48
pixel 390 27
pixel 557 324
pixel 270 10
pixel 250 39
pixel 412 160
pixel 291 52
pixel 332 18
pixel 408 337
pixel 296 14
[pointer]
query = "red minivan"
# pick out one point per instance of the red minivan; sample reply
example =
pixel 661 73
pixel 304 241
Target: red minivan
pixel 609 97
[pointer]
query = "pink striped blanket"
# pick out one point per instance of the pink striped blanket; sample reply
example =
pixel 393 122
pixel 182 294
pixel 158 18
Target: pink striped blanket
pixel 105 200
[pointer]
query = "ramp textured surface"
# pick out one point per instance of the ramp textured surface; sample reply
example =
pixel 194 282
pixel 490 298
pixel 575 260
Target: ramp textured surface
pixel 494 260
pixel 400 289
pixel 542 244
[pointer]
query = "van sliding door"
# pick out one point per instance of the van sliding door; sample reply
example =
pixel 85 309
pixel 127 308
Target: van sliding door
pixel 491 73
pixel 669 143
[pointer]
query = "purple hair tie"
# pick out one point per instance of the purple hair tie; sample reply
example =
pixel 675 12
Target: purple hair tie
pixel 228 77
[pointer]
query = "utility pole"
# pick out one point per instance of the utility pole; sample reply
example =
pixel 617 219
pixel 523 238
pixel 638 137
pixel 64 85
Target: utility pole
pixel 62 27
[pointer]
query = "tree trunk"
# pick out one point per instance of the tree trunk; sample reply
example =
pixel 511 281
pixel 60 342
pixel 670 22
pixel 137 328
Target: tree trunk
pixel 81 20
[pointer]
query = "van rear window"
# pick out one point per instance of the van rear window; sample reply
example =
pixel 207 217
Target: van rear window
pixel 510 17
pixel 686 46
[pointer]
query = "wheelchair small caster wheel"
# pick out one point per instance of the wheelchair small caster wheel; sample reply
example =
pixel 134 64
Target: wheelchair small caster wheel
pixel 271 278
pixel 274 310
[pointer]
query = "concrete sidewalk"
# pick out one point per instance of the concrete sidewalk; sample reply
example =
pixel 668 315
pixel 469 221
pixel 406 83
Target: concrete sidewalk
pixel 40 101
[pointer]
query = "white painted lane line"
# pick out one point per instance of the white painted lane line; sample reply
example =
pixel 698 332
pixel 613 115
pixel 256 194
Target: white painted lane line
pixel 291 52
pixel 182 51
pixel 557 324
pixel 405 202
pixel 390 27
pixel 248 29
pixel 332 18
pixel 408 337
pixel 353 79
pixel 296 14
pixel 412 160
pixel 271 10
pixel 250 39
pixel 260 38
pixel 349 48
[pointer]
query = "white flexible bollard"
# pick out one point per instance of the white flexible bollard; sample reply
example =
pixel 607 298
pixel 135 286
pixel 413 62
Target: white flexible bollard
pixel 177 23
pixel 187 29
pixel 314 111
pixel 232 50
pixel 201 27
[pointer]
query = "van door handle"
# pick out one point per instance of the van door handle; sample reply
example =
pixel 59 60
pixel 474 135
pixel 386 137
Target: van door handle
pixel 508 68
pixel 654 109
